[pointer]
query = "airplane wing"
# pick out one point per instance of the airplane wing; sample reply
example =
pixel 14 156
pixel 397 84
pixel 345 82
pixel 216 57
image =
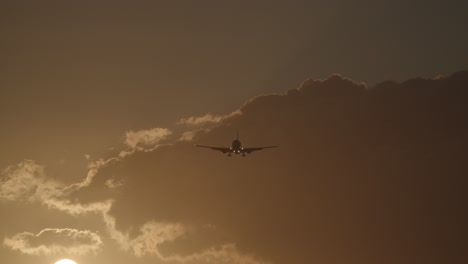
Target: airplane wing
pixel 250 150
pixel 223 150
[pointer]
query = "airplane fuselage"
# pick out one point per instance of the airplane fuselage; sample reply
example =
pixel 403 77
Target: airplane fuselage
pixel 236 147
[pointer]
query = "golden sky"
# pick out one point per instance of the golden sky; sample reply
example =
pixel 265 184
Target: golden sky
pixel 101 104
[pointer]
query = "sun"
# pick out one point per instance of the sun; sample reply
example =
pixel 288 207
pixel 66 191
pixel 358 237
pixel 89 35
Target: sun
pixel 65 261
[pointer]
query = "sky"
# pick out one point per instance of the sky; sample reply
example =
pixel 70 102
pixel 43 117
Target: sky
pixel 101 103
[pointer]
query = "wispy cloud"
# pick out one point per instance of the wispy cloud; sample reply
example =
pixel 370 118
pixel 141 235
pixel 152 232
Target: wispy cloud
pixel 113 183
pixel 202 123
pixel 26 181
pixel 224 254
pixel 207 119
pixel 154 234
pixel 144 139
pixel 77 208
pixel 52 241
pixel 187 136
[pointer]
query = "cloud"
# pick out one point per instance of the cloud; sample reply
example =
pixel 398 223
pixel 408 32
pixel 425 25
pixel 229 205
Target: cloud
pixel 187 136
pixel 26 182
pixel 53 241
pixel 113 184
pixel 361 173
pixel 93 168
pixel 154 235
pixel 224 254
pixel 143 139
pixel 203 123
pixel 335 85
pixel 77 208
pixel 207 119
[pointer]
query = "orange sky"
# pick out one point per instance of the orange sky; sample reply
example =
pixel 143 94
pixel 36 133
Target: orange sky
pixel 102 103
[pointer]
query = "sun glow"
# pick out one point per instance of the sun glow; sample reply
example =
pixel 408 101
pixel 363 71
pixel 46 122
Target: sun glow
pixel 65 261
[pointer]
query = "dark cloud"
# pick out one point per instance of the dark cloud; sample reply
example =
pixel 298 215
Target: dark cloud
pixel 362 175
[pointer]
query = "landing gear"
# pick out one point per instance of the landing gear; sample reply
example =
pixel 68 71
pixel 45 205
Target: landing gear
pixel 243 154
pixel 229 155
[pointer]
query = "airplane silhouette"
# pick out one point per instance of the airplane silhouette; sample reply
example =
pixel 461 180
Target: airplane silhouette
pixel 236 148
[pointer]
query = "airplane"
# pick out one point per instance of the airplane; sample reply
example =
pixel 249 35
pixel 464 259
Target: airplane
pixel 236 148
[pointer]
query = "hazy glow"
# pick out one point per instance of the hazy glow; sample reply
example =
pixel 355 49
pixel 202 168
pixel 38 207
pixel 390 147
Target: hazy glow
pixel 65 261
